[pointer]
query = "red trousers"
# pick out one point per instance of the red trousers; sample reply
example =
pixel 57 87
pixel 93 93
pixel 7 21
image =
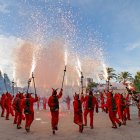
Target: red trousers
pixel 44 106
pixel 7 112
pixel 68 106
pixel 78 118
pixel 128 113
pixel 3 110
pixel 124 113
pixel 91 112
pixel 139 113
pixel 113 118
pixel 119 114
pixel 55 119
pixel 29 119
pixel 11 111
pixel 19 119
pixel 103 108
pixel 16 116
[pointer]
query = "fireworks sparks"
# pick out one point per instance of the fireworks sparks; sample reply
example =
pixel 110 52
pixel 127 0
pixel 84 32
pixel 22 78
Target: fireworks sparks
pixel 78 82
pixel 105 75
pixel 52 32
pixel 79 64
pixel 66 57
pixel 33 64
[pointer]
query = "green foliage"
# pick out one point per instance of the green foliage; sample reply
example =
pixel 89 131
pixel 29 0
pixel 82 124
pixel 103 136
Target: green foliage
pixel 137 81
pixel 92 85
pixel 125 76
pixel 111 73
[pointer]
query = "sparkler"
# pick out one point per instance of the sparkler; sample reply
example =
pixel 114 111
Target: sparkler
pixel 13 87
pixel 5 85
pixel 105 72
pixel 34 81
pixel 64 76
pixel 65 59
pixel 33 64
pixel 29 82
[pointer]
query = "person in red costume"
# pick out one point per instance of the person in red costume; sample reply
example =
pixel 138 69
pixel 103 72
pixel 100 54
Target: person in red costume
pixel 8 106
pixel 123 109
pixel 78 114
pixel 2 102
pixel 118 106
pixel 127 107
pixel 19 109
pixel 28 104
pixel 102 102
pixel 53 103
pixel 44 103
pixel 90 104
pixel 112 110
pixel 68 102
pixel 38 104
pixel 15 109
pixel 136 98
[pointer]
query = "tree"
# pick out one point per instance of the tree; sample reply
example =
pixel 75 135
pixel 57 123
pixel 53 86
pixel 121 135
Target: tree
pixel 7 83
pixel 110 75
pixel 91 85
pixel 137 81
pixel 125 76
pixel 2 88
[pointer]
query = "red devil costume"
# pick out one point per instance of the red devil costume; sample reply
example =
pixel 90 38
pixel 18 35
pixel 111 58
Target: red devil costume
pixel 102 102
pixel 15 108
pixel 18 106
pixel 127 107
pixel 112 110
pixel 68 102
pixel 137 99
pixel 3 104
pixel 90 104
pixel 53 103
pixel 44 103
pixel 121 107
pixel 38 104
pixel 8 105
pixel 28 104
pixel 78 115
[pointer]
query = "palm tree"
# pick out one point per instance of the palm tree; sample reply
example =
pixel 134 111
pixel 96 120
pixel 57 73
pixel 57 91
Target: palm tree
pixel 125 76
pixel 137 81
pixel 110 75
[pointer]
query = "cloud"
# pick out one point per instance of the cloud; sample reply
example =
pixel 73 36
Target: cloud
pixel 4 8
pixel 7 45
pixel 133 46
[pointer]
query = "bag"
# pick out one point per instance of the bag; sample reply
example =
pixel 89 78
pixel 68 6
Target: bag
pixel 79 106
pixel 90 102
pixel 56 104
pixel 27 107
pixel 114 108
pixel 17 107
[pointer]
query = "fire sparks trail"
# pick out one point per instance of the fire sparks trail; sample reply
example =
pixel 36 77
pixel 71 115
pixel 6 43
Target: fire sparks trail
pixel 66 57
pixel 33 65
pixel 79 64
pixel 105 72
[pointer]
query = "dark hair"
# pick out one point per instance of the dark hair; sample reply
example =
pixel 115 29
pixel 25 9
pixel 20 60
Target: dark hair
pixel 90 92
pixel 27 95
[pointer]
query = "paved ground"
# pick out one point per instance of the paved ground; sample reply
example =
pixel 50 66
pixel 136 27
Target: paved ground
pixel 41 129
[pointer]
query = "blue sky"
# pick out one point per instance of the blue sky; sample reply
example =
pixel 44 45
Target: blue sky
pixel 116 22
